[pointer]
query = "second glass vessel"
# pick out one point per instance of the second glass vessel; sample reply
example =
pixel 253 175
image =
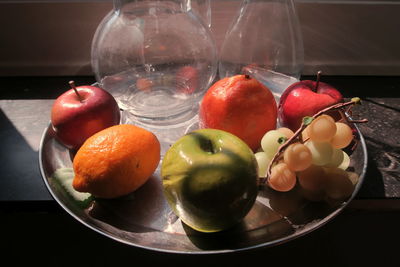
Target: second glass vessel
pixel 265 41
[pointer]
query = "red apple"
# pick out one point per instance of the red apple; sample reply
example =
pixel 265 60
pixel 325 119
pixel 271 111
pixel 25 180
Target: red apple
pixel 305 98
pixel 81 112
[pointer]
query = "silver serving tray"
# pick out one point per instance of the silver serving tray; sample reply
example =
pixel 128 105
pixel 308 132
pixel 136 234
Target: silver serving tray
pixel 143 219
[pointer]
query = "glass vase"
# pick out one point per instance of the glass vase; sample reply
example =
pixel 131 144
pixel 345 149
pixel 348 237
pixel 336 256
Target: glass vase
pixel 264 41
pixel 157 58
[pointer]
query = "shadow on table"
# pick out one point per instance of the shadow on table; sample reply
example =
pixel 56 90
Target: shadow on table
pixel 20 175
pixel 373 186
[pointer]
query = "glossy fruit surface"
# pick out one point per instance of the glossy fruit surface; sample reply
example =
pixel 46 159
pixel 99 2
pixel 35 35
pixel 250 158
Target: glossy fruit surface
pixel 336 159
pixel 271 141
pixel 343 136
pixel 321 152
pixel 116 161
pixel 210 179
pixel 74 119
pixel 282 178
pixel 322 129
pixel 304 99
pixel 263 161
pixel 297 157
pixel 286 131
pixel 345 162
pixel 240 105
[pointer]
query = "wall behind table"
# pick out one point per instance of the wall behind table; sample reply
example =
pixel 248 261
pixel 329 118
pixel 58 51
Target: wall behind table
pixel 343 38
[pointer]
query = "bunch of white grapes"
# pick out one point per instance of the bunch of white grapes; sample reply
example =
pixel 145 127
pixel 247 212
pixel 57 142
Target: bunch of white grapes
pixel 316 163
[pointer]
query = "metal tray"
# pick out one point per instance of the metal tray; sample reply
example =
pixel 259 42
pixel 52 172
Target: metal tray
pixel 144 219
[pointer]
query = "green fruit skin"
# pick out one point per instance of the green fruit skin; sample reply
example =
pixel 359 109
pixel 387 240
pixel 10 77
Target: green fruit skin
pixel 210 179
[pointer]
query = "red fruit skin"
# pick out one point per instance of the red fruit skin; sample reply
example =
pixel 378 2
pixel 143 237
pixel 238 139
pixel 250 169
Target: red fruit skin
pixel 299 100
pixel 74 121
pixel 240 105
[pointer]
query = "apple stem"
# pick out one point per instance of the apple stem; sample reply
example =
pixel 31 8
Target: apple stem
pixel 319 73
pixel 247 76
pixel 72 84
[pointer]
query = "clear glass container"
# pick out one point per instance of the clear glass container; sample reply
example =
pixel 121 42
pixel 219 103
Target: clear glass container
pixel 264 41
pixel 202 8
pixel 157 58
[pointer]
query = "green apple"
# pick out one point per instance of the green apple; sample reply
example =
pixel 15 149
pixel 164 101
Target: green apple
pixel 210 179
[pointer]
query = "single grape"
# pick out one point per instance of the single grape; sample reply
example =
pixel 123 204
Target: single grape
pixel 338 186
pixel 346 161
pixel 321 152
pixel 286 131
pixel 282 178
pixel 312 179
pixel 353 177
pixel 298 157
pixel 337 158
pixel 343 135
pixel 263 162
pixel 270 142
pixel 322 129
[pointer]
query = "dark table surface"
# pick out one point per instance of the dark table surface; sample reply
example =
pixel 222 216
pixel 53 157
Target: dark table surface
pixel 365 233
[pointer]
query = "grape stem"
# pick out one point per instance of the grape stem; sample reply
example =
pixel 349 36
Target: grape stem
pixel 357 121
pixel 297 135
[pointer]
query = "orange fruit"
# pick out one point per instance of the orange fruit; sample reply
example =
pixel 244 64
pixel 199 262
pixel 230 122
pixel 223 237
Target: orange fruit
pixel 116 161
pixel 240 105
